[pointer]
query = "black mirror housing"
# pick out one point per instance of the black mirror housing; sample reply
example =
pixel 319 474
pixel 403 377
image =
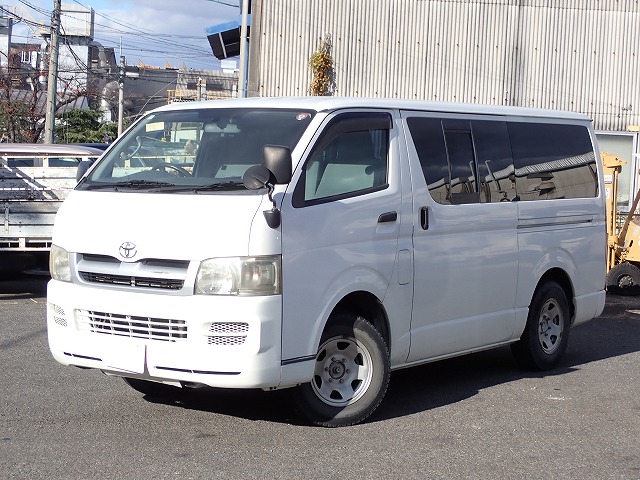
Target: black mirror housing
pixel 277 159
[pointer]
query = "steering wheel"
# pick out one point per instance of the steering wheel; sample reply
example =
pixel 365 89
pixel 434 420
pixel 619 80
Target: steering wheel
pixel 180 170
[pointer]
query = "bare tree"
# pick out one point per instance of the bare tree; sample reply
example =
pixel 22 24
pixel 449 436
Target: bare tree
pixel 21 101
pixel 23 98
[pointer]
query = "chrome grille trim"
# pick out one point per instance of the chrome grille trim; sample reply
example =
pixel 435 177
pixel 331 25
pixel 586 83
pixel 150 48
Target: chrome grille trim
pixel 147 273
pixel 132 326
pixel 132 281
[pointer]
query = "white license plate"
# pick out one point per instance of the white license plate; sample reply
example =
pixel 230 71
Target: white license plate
pixel 127 357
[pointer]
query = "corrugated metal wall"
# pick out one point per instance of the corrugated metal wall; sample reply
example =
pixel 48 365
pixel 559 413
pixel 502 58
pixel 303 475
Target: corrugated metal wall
pixel 579 55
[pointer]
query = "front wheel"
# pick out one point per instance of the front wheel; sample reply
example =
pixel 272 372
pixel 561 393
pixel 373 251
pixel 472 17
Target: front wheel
pixel 351 374
pixel 546 334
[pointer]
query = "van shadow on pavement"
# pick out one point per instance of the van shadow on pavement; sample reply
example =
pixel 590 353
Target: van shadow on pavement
pixel 616 332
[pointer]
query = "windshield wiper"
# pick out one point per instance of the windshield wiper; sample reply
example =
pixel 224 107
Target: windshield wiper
pixel 232 185
pixel 136 184
pixel 212 187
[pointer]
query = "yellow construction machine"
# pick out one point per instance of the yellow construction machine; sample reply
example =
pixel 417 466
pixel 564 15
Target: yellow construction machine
pixel 623 252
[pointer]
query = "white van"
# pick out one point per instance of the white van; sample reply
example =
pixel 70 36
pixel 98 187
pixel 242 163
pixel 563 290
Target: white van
pixel 323 242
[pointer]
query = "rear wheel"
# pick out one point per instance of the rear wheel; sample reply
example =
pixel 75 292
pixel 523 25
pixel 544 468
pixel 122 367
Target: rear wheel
pixel 351 374
pixel 546 334
pixel 624 279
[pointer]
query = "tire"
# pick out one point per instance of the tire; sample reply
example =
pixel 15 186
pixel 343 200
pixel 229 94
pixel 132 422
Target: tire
pixel 351 374
pixel 624 279
pixel 546 334
pixel 153 389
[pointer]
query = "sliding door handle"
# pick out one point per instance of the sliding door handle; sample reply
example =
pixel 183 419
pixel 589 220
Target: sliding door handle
pixel 424 218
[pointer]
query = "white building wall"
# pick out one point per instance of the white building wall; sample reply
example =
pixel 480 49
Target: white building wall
pixel 6 28
pixel 72 68
pixel 579 55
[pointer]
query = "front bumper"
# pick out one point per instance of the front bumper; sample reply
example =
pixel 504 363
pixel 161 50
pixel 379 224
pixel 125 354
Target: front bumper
pixel 228 342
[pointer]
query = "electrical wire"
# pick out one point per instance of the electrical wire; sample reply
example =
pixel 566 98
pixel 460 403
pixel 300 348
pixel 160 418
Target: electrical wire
pixel 142 42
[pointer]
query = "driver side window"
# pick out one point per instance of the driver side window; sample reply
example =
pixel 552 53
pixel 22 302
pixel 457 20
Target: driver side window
pixel 351 163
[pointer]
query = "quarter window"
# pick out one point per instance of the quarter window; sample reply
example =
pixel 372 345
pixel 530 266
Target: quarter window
pixel 553 161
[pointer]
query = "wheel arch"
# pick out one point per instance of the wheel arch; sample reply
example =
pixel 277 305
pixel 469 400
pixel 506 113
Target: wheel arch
pixel 370 307
pixel 561 277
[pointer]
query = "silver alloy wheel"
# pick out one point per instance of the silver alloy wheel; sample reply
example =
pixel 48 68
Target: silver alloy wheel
pixel 550 326
pixel 343 371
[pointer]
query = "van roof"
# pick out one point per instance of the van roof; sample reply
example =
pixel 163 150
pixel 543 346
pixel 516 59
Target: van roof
pixel 324 104
pixel 47 149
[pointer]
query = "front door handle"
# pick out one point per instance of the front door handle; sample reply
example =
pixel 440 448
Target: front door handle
pixel 388 217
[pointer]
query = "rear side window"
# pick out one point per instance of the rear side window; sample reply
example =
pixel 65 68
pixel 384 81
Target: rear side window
pixel 462 162
pixel 428 139
pixel 495 163
pixel 553 161
pixel 490 161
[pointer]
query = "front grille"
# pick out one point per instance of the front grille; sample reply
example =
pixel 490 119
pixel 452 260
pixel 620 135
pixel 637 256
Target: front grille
pixel 227 333
pixel 57 313
pixel 132 326
pixel 147 273
pixel 144 282
pixel 226 340
pixel 229 327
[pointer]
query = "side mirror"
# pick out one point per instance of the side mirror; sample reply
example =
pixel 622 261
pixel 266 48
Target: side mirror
pixel 83 167
pixel 259 176
pixel 277 160
pixel 274 170
pixel 256 176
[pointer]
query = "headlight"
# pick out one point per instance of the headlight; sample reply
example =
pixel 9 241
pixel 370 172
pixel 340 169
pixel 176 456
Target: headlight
pixel 59 265
pixel 239 276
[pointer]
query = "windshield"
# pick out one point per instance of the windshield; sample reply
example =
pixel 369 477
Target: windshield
pixel 197 150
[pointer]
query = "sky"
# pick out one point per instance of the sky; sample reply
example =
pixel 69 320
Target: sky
pixel 154 32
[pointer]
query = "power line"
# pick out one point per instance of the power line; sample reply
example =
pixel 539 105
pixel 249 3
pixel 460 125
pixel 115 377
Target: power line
pixel 179 46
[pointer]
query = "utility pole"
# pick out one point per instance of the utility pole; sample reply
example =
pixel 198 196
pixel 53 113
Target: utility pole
pixel 52 82
pixel 124 72
pixel 201 88
pixel 244 58
pixel 121 73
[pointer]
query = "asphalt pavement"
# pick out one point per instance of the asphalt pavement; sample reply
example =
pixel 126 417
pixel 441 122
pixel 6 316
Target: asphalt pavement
pixel 473 417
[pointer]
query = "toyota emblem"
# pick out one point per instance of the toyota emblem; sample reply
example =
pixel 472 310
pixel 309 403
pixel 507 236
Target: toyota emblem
pixel 128 250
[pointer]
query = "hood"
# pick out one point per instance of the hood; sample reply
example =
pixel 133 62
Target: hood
pixel 167 226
